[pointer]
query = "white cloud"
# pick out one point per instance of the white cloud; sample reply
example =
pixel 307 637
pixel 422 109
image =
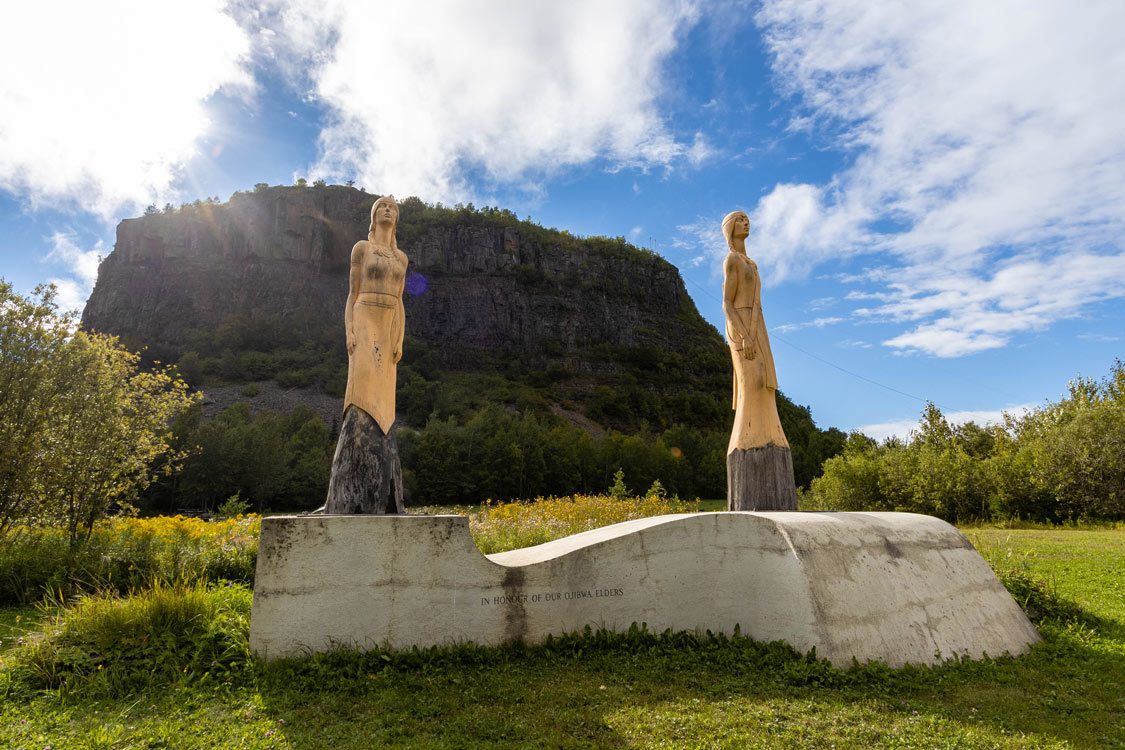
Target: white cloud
pixel 103 102
pixel 421 97
pixel 703 240
pixel 902 428
pixel 966 313
pixel 816 323
pixel 82 265
pixel 985 145
pixel 70 295
pixel 700 150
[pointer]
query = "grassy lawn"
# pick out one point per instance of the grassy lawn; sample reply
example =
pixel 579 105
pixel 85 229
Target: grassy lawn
pixel 647 694
pixel 15 623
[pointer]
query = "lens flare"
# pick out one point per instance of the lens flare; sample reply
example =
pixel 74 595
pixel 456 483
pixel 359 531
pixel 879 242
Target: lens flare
pixel 416 284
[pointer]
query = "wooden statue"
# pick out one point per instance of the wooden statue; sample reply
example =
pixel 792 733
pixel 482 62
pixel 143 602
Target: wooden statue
pixel 759 464
pixel 366 474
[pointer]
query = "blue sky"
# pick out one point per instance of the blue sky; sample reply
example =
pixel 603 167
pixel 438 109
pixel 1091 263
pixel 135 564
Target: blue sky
pixel 937 192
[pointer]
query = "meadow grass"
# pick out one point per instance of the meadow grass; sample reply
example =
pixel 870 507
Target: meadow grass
pixel 633 690
pixel 124 554
pixel 498 527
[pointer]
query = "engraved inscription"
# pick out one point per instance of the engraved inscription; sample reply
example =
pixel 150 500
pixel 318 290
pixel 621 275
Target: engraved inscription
pixel 550 596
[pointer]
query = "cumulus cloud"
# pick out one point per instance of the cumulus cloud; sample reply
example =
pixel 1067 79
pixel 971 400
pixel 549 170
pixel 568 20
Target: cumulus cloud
pixel 104 102
pixel 423 97
pixel 901 428
pixel 986 146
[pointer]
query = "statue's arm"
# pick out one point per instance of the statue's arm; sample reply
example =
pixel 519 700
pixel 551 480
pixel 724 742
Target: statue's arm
pixel 730 294
pixel 354 275
pixel 397 354
pixel 756 309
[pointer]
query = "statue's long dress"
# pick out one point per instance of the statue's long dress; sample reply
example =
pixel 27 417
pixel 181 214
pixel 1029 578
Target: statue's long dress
pixel 756 423
pixel 759 462
pixel 377 323
pixel 366 473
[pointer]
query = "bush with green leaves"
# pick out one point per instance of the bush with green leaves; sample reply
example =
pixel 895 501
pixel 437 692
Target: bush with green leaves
pixel 1064 461
pixel 84 428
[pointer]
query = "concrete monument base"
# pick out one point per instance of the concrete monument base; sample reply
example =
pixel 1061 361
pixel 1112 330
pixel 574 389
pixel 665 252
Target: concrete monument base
pixel 891 587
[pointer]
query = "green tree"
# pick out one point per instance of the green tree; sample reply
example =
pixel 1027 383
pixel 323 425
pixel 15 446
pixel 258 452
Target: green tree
pixel 618 488
pixel 89 428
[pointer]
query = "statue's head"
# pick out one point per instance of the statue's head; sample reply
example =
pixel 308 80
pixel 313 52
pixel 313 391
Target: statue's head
pixel 385 211
pixel 736 224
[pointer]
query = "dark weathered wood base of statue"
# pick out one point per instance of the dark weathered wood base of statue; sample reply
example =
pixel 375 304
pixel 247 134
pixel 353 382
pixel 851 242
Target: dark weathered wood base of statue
pixel 761 479
pixel 366 474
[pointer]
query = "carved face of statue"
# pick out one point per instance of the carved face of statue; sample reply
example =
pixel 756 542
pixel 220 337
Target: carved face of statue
pixel 736 225
pixel 385 211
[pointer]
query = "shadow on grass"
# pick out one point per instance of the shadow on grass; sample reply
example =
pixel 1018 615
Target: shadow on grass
pixel 618 690
pixel 640 688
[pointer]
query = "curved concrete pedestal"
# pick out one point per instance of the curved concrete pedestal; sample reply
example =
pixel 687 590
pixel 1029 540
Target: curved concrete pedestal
pixel 892 587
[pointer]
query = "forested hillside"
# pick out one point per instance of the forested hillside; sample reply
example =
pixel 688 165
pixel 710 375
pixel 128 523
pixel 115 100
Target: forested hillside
pixel 552 359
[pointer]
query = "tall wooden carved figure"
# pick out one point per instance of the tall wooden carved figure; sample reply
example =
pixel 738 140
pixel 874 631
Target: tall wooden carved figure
pixel 366 474
pixel 759 464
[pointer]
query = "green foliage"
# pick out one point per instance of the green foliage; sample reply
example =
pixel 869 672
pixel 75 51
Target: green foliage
pixel 656 490
pixel 232 507
pixel 301 182
pixel 106 645
pixel 268 460
pixel 618 490
pixel 1062 462
pixel 83 428
pixel 500 455
pixel 126 553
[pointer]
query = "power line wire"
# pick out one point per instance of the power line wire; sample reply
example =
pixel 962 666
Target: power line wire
pixel 822 359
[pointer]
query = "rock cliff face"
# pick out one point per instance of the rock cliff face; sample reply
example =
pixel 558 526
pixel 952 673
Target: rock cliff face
pixel 484 290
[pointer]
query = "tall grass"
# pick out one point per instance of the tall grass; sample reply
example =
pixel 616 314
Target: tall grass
pixel 107 644
pixel 505 526
pixel 127 553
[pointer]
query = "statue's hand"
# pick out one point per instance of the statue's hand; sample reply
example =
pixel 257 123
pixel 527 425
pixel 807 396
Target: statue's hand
pixel 351 342
pixel 748 350
pixel 396 353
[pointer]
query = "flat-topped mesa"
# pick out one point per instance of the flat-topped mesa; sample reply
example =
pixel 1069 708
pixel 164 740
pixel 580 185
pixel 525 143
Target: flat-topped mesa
pixel 486 285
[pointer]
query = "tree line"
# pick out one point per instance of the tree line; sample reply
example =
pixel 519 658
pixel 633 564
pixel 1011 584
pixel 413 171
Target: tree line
pixel 1062 462
pixel 282 462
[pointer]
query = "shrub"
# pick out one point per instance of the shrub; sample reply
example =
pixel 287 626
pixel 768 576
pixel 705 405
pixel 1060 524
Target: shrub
pixel 233 507
pixel 1060 462
pixel 508 526
pixel 109 645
